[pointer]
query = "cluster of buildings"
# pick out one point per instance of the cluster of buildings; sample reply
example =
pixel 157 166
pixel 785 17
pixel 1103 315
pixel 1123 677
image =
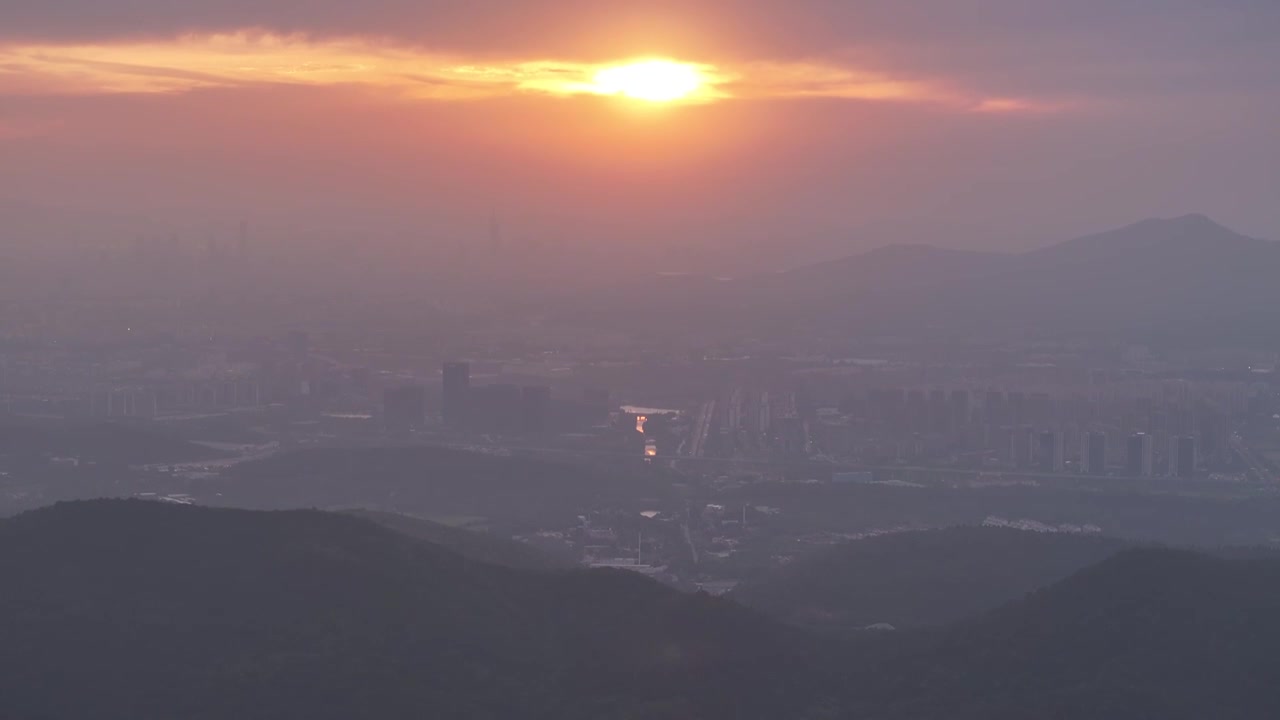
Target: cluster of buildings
pixel 1136 434
pixel 749 422
pixel 505 409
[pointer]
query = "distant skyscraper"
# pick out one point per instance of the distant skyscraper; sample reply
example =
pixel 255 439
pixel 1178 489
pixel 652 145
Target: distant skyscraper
pixel 404 409
pixel 1133 455
pixel 1148 456
pixel 456 394
pixel 792 435
pixel 1185 459
pixel 1094 453
pixel 596 401
pixel 1022 443
pixel 1052 453
pixel 1140 455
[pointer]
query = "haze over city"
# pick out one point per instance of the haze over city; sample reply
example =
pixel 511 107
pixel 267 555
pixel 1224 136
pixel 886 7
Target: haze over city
pixel 605 360
pixel 818 128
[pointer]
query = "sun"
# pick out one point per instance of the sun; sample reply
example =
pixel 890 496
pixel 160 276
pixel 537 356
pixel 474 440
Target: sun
pixel 650 80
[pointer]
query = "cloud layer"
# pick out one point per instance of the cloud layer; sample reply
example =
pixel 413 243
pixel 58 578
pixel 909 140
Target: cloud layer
pixel 850 122
pixel 1035 51
pixel 249 58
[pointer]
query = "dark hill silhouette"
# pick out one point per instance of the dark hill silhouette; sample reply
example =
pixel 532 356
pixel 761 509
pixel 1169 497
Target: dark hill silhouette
pixel 1146 634
pixel 1156 275
pixel 920 578
pixel 1194 232
pixel 125 609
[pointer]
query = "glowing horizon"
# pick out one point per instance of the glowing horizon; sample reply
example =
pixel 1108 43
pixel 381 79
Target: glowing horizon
pixel 253 57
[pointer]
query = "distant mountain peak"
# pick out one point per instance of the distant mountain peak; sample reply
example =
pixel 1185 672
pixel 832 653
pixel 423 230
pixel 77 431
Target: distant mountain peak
pixel 1195 231
pixel 1191 222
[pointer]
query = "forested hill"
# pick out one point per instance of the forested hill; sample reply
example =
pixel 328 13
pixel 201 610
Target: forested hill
pixel 1149 633
pixel 922 578
pixel 130 609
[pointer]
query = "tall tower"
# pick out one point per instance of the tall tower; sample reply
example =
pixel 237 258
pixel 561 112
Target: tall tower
pixel 495 234
pixel 1184 459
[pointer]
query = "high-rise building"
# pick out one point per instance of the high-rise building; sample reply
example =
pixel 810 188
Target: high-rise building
pixel 1184 460
pixel 1052 452
pixel 1140 455
pixel 1022 440
pixel 764 415
pixel 1133 455
pixel 1213 429
pixel 404 408
pixel 1148 456
pixel 792 435
pixel 456 394
pixel 596 402
pixel 1094 453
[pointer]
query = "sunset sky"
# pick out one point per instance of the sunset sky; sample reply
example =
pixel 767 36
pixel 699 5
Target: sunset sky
pixel 818 127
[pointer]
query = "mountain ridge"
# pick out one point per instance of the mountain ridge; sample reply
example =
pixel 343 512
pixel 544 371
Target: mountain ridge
pixel 919 579
pixel 1174 279
pixel 147 609
pixel 125 609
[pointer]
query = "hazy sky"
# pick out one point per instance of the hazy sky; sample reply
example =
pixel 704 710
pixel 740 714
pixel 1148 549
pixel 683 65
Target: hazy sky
pixel 823 125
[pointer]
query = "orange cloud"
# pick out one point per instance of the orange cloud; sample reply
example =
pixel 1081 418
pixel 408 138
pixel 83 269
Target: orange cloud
pixel 249 57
